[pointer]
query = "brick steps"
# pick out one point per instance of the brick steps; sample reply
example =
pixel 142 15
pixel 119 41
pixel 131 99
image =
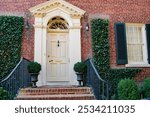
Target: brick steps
pixel 51 91
pixel 56 93
pixel 56 97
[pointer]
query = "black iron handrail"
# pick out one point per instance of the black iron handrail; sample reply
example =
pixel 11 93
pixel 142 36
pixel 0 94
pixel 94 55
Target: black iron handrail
pixel 18 78
pixel 100 87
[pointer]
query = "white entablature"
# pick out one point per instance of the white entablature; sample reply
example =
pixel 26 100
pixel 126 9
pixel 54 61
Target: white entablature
pixel 46 7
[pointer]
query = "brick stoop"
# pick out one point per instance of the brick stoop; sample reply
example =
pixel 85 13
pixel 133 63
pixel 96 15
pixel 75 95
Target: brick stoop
pixel 56 93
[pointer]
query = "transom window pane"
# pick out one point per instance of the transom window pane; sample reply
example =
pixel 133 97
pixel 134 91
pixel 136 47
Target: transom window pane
pixel 135 43
pixel 57 23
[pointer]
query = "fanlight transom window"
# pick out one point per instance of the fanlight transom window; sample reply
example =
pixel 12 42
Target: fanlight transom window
pixel 57 23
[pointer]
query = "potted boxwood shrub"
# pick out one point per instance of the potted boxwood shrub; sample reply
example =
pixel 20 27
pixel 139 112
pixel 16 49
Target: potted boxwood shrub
pixel 34 68
pixel 80 69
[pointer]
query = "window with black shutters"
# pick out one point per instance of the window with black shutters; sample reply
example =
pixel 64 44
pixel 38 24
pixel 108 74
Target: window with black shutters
pixel 132 43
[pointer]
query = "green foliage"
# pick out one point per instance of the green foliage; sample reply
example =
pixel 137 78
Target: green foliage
pixel 4 95
pixel 101 55
pixel 128 90
pixel 34 67
pixel 11 29
pixel 100 44
pixel 80 67
pixel 115 75
pixel 146 88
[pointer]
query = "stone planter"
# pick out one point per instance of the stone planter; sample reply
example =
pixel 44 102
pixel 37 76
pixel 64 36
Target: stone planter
pixel 80 78
pixel 34 79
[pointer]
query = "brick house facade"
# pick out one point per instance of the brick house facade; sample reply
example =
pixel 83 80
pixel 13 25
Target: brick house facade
pixel 126 11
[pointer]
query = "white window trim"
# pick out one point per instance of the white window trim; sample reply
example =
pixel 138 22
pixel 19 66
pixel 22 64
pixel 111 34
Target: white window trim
pixel 137 65
pixel 145 52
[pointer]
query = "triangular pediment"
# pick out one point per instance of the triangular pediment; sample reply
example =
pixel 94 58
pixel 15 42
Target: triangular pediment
pixel 49 6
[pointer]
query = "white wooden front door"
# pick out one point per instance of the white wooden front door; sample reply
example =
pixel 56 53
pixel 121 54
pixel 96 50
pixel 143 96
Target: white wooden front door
pixel 57 57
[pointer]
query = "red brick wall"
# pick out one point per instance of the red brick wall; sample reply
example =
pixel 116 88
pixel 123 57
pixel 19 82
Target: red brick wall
pixel 137 11
pixel 133 11
pixel 18 5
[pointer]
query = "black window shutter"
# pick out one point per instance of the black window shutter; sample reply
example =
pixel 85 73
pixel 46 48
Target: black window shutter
pixel 121 46
pixel 148 40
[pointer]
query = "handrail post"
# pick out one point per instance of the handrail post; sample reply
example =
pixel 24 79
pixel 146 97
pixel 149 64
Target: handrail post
pixel 107 91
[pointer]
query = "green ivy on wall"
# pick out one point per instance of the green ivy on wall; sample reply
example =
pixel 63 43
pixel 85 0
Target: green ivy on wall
pixel 101 55
pixel 11 28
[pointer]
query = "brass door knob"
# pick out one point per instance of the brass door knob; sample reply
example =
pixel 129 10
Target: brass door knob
pixel 51 61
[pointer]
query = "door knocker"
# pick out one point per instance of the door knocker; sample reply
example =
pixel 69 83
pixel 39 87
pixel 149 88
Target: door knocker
pixel 58 43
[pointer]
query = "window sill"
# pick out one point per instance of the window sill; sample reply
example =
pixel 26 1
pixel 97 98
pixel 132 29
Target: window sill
pixel 137 65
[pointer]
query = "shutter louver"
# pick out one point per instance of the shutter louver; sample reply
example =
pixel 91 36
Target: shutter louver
pixel 121 47
pixel 148 40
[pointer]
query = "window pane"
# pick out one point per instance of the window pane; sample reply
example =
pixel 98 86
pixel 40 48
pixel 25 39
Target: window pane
pixel 134 43
pixel 135 53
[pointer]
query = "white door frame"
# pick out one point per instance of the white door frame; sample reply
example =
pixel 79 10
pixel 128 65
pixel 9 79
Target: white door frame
pixel 74 43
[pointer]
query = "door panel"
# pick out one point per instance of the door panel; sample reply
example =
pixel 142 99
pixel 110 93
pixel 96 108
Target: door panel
pixel 57 57
pixel 62 48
